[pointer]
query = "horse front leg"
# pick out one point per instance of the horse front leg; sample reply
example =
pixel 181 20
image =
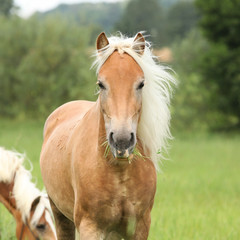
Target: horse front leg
pixel 89 231
pixel 143 227
pixel 64 227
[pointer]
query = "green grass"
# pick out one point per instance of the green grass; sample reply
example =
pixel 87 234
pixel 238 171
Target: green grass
pixel 198 193
pixel 25 137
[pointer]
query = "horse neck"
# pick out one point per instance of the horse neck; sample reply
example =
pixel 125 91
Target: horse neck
pixel 101 125
pixel 6 189
pixel 22 230
pixel 6 198
pixel 94 123
pixel 92 133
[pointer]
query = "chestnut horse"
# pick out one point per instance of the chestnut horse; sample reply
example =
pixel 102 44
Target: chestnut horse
pixel 99 159
pixel 29 206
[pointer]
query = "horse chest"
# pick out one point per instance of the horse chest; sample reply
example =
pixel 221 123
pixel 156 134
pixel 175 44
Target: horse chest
pixel 119 196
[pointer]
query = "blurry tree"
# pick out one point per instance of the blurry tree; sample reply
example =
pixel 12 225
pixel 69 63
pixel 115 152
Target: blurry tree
pixel 57 64
pixel 165 25
pixel 6 6
pixel 220 65
pixel 220 21
pixel 141 15
pixel 191 101
pixel 168 3
pixel 180 19
pixel 97 17
pixel 42 65
pixel 16 39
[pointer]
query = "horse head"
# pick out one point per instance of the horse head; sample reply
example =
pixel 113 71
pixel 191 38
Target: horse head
pixel 39 224
pixel 121 81
pixel 29 206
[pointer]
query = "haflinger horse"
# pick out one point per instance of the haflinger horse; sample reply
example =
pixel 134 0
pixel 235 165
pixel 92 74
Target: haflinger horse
pixel 29 206
pixel 99 159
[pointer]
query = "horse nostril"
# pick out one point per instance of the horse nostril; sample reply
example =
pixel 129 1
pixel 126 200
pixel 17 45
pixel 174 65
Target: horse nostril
pixel 121 141
pixel 131 142
pixel 111 140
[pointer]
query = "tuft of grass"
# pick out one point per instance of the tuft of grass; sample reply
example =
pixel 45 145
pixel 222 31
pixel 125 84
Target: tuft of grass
pixel 135 153
pixel 107 148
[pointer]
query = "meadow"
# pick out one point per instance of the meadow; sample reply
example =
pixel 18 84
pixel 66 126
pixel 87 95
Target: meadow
pixel 198 192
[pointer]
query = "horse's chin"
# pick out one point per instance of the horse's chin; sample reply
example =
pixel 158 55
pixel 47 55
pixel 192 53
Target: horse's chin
pixel 122 155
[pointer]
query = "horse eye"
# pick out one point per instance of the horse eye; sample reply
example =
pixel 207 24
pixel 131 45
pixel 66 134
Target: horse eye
pixel 140 86
pixel 100 84
pixel 41 227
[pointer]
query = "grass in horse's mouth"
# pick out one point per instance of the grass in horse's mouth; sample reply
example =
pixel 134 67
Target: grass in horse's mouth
pixel 107 148
pixel 136 152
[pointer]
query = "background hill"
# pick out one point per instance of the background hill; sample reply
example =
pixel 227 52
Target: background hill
pixel 164 20
pixel 102 15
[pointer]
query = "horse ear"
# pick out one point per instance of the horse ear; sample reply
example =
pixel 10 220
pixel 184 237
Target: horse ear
pixel 139 44
pixel 35 203
pixel 102 41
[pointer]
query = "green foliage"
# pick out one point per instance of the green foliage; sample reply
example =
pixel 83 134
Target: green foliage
pixel 101 16
pixel 16 39
pixel 191 110
pixel 165 25
pixel 220 21
pixel 166 4
pixel 165 20
pixel 221 75
pixel 197 100
pixel 6 6
pixel 140 15
pixel 181 18
pixel 220 65
pixel 42 65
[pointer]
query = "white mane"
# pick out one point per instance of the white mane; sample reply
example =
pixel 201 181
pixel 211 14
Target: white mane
pixel 24 191
pixel 153 128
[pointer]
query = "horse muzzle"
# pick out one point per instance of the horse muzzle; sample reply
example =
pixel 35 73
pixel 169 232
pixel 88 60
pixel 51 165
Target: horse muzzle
pixel 122 144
